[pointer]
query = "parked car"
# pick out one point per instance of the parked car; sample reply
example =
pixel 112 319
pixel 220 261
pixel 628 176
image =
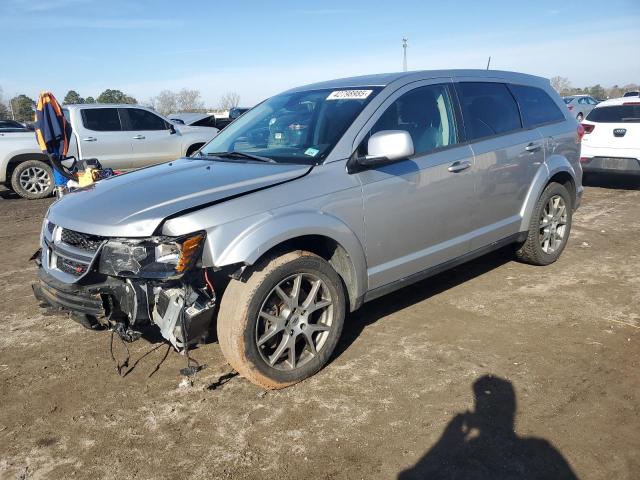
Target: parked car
pixel 119 136
pixel 612 137
pixel 631 94
pixel 11 126
pixel 580 105
pixel 195 119
pixel 315 201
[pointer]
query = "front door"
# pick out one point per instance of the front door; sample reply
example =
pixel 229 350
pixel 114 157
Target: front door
pixel 416 211
pixel 152 138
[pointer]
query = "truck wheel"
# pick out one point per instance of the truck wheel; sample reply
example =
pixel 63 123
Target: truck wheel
pixel 282 324
pixel 32 179
pixel 549 228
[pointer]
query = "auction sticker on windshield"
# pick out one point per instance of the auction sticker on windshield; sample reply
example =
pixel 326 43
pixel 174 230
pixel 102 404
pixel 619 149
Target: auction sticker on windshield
pixel 349 94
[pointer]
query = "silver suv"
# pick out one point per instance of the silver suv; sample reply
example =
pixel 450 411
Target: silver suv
pixel 315 201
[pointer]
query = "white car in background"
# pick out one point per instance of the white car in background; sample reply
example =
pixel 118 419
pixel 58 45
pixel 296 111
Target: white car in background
pixel 611 142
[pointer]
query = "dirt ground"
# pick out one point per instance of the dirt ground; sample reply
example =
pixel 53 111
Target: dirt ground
pixel 425 382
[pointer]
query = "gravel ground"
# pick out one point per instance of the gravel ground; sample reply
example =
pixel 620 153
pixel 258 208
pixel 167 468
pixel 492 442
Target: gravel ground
pixel 493 368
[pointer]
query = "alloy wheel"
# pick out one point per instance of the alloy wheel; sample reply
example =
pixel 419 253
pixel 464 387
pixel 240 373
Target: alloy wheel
pixel 553 224
pixel 35 180
pixel 294 321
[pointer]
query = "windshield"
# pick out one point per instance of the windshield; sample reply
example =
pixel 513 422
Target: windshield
pixel 300 127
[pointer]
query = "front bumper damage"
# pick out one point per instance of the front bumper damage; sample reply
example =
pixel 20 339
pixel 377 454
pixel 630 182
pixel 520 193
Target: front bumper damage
pixel 183 310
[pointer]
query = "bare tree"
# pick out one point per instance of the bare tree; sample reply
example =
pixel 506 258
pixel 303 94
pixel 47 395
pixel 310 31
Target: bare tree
pixel 562 85
pixel 189 100
pixel 229 100
pixel 165 102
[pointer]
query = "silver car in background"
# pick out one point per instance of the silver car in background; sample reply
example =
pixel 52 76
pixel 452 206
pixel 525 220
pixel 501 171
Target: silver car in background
pixel 310 204
pixel 580 105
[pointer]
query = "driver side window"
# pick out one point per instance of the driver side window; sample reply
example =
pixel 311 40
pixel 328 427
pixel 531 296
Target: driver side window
pixel 426 113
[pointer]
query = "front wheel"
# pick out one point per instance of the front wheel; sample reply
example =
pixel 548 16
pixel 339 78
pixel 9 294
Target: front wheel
pixel 549 228
pixel 282 324
pixel 32 179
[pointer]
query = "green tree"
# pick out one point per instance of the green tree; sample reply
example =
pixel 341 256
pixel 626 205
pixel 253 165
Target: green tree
pixel 597 91
pixel 23 108
pixel 89 100
pixel 72 97
pixel 115 96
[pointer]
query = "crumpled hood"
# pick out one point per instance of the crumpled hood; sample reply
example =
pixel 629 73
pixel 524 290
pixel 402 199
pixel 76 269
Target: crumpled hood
pixel 134 204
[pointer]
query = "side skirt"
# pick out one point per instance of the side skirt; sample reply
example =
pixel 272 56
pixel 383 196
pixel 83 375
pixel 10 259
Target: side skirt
pixel 429 272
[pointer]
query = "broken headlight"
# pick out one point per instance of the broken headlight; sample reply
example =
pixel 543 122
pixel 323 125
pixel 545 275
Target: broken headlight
pixel 154 257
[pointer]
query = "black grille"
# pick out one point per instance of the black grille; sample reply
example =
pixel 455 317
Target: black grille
pixel 81 240
pixel 50 227
pixel 69 266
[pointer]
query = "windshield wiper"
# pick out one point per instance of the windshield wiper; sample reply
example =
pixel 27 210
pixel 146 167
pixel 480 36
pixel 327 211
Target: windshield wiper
pixel 239 155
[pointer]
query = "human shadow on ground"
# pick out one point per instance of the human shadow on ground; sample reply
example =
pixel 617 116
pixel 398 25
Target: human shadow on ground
pixel 373 311
pixel 482 445
pixel 612 181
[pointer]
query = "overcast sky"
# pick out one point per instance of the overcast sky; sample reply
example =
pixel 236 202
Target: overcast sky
pixel 259 48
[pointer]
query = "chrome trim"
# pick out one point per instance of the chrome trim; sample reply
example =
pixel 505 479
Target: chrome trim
pixel 53 247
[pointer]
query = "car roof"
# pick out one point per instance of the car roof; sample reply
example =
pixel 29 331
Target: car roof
pixel 617 101
pixel 385 79
pixel 75 106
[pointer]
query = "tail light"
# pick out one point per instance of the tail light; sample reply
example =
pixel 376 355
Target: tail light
pixel 570 107
pixel 585 159
pixel 579 133
pixel 588 128
pixel 631 103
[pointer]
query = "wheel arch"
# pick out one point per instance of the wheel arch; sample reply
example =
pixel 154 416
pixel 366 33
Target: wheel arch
pixel 556 169
pixel 23 157
pixel 321 234
pixel 193 147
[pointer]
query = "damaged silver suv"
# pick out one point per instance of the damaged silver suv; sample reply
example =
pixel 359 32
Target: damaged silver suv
pixel 313 202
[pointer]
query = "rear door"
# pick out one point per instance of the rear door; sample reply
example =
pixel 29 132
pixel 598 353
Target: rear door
pixel 151 137
pixel 100 135
pixel 507 157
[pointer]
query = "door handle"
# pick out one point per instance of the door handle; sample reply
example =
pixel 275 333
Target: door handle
pixel 533 147
pixel 456 167
pixel 89 139
pixel 139 137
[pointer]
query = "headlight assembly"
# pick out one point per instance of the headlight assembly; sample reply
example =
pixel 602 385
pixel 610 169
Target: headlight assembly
pixel 154 257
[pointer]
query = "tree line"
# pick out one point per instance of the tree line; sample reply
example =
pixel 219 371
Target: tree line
pixel 21 107
pixel 563 86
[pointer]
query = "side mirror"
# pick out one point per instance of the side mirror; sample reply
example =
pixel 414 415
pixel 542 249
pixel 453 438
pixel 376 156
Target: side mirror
pixel 172 129
pixel 384 147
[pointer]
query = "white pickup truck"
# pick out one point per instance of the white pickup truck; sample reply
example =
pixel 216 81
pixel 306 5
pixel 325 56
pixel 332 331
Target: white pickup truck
pixel 121 137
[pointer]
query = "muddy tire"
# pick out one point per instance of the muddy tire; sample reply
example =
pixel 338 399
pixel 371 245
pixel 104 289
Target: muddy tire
pixel 281 323
pixel 549 228
pixel 32 179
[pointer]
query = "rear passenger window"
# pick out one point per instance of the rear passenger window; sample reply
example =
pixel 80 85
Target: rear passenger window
pixel 488 109
pixel 426 113
pixel 101 119
pixel 536 106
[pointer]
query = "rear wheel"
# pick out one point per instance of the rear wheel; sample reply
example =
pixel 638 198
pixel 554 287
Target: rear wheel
pixel 32 179
pixel 549 228
pixel 282 324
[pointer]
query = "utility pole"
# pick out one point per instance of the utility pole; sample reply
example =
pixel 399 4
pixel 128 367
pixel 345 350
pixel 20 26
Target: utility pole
pixel 404 59
pixel 488 62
